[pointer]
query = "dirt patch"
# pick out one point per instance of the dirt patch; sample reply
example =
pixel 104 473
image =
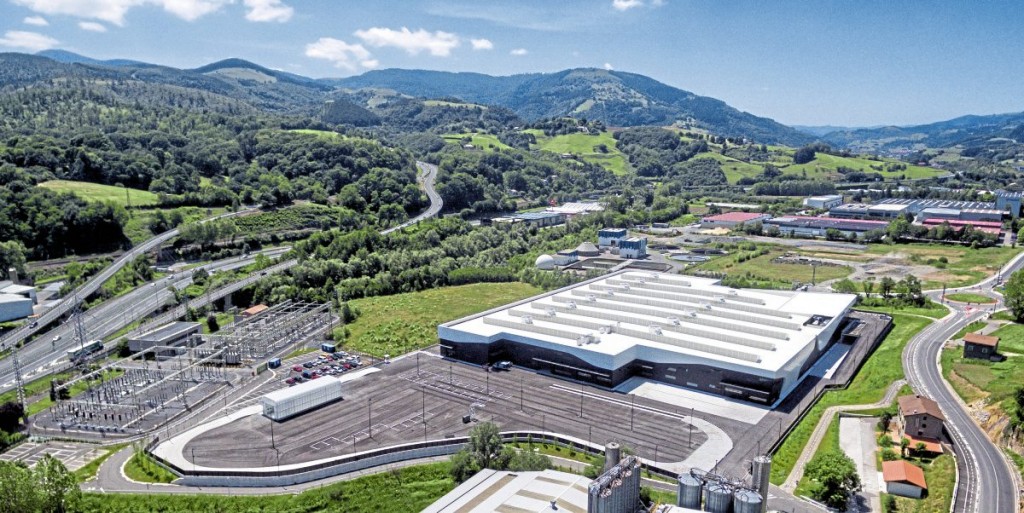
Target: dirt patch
pixel 940 276
pixel 977 406
pixel 715 231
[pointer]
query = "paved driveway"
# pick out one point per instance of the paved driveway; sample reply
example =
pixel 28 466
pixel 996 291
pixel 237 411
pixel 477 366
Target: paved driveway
pixel 857 440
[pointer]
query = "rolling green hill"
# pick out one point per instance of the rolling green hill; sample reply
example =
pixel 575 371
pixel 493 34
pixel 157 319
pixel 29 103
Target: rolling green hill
pixel 583 145
pixel 103 193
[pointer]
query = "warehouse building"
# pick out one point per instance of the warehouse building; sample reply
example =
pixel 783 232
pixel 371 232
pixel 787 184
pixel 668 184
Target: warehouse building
pixel 903 479
pixel 732 219
pixel 823 202
pixel 537 219
pixel 687 331
pixel 173 334
pixel 1009 201
pixel 19 290
pixel 868 211
pixel 14 306
pixel 804 226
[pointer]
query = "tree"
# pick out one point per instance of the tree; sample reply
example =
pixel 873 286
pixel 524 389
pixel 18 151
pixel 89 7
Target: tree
pixel 10 416
pixel 526 459
pixel 835 477
pixel 1018 398
pixel 869 287
pixel 485 444
pixel 212 324
pixel 1013 295
pixel 845 286
pixel 886 285
pixel 18 490
pixel 58 488
pixel 12 255
pixel 904 445
pixel 920 447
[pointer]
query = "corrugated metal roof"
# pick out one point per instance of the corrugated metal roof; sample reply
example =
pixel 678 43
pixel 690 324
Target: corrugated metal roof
pixel 301 389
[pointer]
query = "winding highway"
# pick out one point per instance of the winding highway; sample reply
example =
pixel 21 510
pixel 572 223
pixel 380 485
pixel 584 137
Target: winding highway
pixel 986 480
pixel 426 181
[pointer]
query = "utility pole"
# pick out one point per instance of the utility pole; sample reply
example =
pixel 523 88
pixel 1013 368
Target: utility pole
pixel 632 401
pixel 369 416
pixel 18 381
pixel 581 400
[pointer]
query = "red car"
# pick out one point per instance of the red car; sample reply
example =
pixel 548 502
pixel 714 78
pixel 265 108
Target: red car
pixel 290 381
pixel 297 368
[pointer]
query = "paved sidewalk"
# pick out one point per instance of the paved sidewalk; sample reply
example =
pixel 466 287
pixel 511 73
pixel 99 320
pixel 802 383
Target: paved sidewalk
pixel 819 432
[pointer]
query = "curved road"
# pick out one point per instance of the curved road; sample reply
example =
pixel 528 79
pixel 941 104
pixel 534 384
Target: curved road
pixel 426 180
pixel 987 483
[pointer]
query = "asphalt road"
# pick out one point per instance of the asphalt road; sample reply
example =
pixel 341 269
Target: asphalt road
pixel 427 184
pixel 987 483
pixel 107 318
pixel 93 284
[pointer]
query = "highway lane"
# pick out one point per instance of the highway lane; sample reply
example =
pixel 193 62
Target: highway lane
pixel 109 317
pixel 987 483
pixel 93 284
pixel 426 181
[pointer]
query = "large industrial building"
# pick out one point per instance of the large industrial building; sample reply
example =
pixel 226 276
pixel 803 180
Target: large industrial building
pixel 687 331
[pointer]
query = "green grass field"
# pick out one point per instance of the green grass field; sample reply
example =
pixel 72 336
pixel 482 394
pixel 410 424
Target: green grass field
pixel 407 489
pixel 869 385
pixel 104 193
pixel 440 103
pixel 401 323
pixel 969 297
pixel 964 267
pixel 824 167
pixel 763 268
pixel 483 142
pixel 583 145
pixel 997 381
pixel 319 133
pixel 734 169
pixel 930 309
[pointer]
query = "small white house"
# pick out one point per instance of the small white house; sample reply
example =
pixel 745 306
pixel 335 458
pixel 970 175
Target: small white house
pixel 903 479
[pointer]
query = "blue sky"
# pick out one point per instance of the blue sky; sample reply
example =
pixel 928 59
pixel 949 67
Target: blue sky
pixel 850 62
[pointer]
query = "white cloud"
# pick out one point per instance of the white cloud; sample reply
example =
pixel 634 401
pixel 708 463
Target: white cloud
pixel 38 21
pixel 608 66
pixel 342 54
pixel 519 52
pixel 92 26
pixel 625 5
pixel 438 44
pixel 482 44
pixel 191 10
pixel 268 10
pixel 32 41
pixel 114 11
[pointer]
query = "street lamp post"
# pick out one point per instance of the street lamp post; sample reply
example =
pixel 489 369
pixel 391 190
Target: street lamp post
pixel 369 415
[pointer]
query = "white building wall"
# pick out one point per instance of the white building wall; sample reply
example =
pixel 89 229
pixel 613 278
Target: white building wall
pixel 904 490
pixel 13 309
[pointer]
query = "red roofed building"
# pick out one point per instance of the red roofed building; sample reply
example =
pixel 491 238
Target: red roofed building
pixel 732 219
pixel 903 479
pixel 254 310
pixel 920 417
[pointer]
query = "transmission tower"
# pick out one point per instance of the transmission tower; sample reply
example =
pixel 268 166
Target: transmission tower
pixel 79 320
pixel 18 381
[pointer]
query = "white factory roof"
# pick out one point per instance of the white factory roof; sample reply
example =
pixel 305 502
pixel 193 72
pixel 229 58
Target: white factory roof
pixel 572 208
pixel 891 207
pixel 301 389
pixel 521 492
pixel 16 289
pixel 12 298
pixel 692 316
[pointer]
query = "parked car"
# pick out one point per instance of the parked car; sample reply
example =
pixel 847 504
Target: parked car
pixel 502 365
pixel 308 365
pixel 290 381
pixel 307 374
pixel 300 379
pixel 297 368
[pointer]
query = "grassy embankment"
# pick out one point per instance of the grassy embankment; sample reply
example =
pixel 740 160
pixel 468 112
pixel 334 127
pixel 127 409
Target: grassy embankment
pixel 407 489
pixel 996 382
pixel 404 322
pixel 969 297
pixel 869 385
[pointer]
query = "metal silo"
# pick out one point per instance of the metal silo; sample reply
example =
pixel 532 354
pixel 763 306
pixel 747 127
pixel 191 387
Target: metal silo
pixel 690 489
pixel 746 501
pixel 761 472
pixel 717 498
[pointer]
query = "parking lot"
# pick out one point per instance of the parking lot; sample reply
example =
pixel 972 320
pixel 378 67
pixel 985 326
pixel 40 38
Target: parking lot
pixel 73 455
pixel 422 396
